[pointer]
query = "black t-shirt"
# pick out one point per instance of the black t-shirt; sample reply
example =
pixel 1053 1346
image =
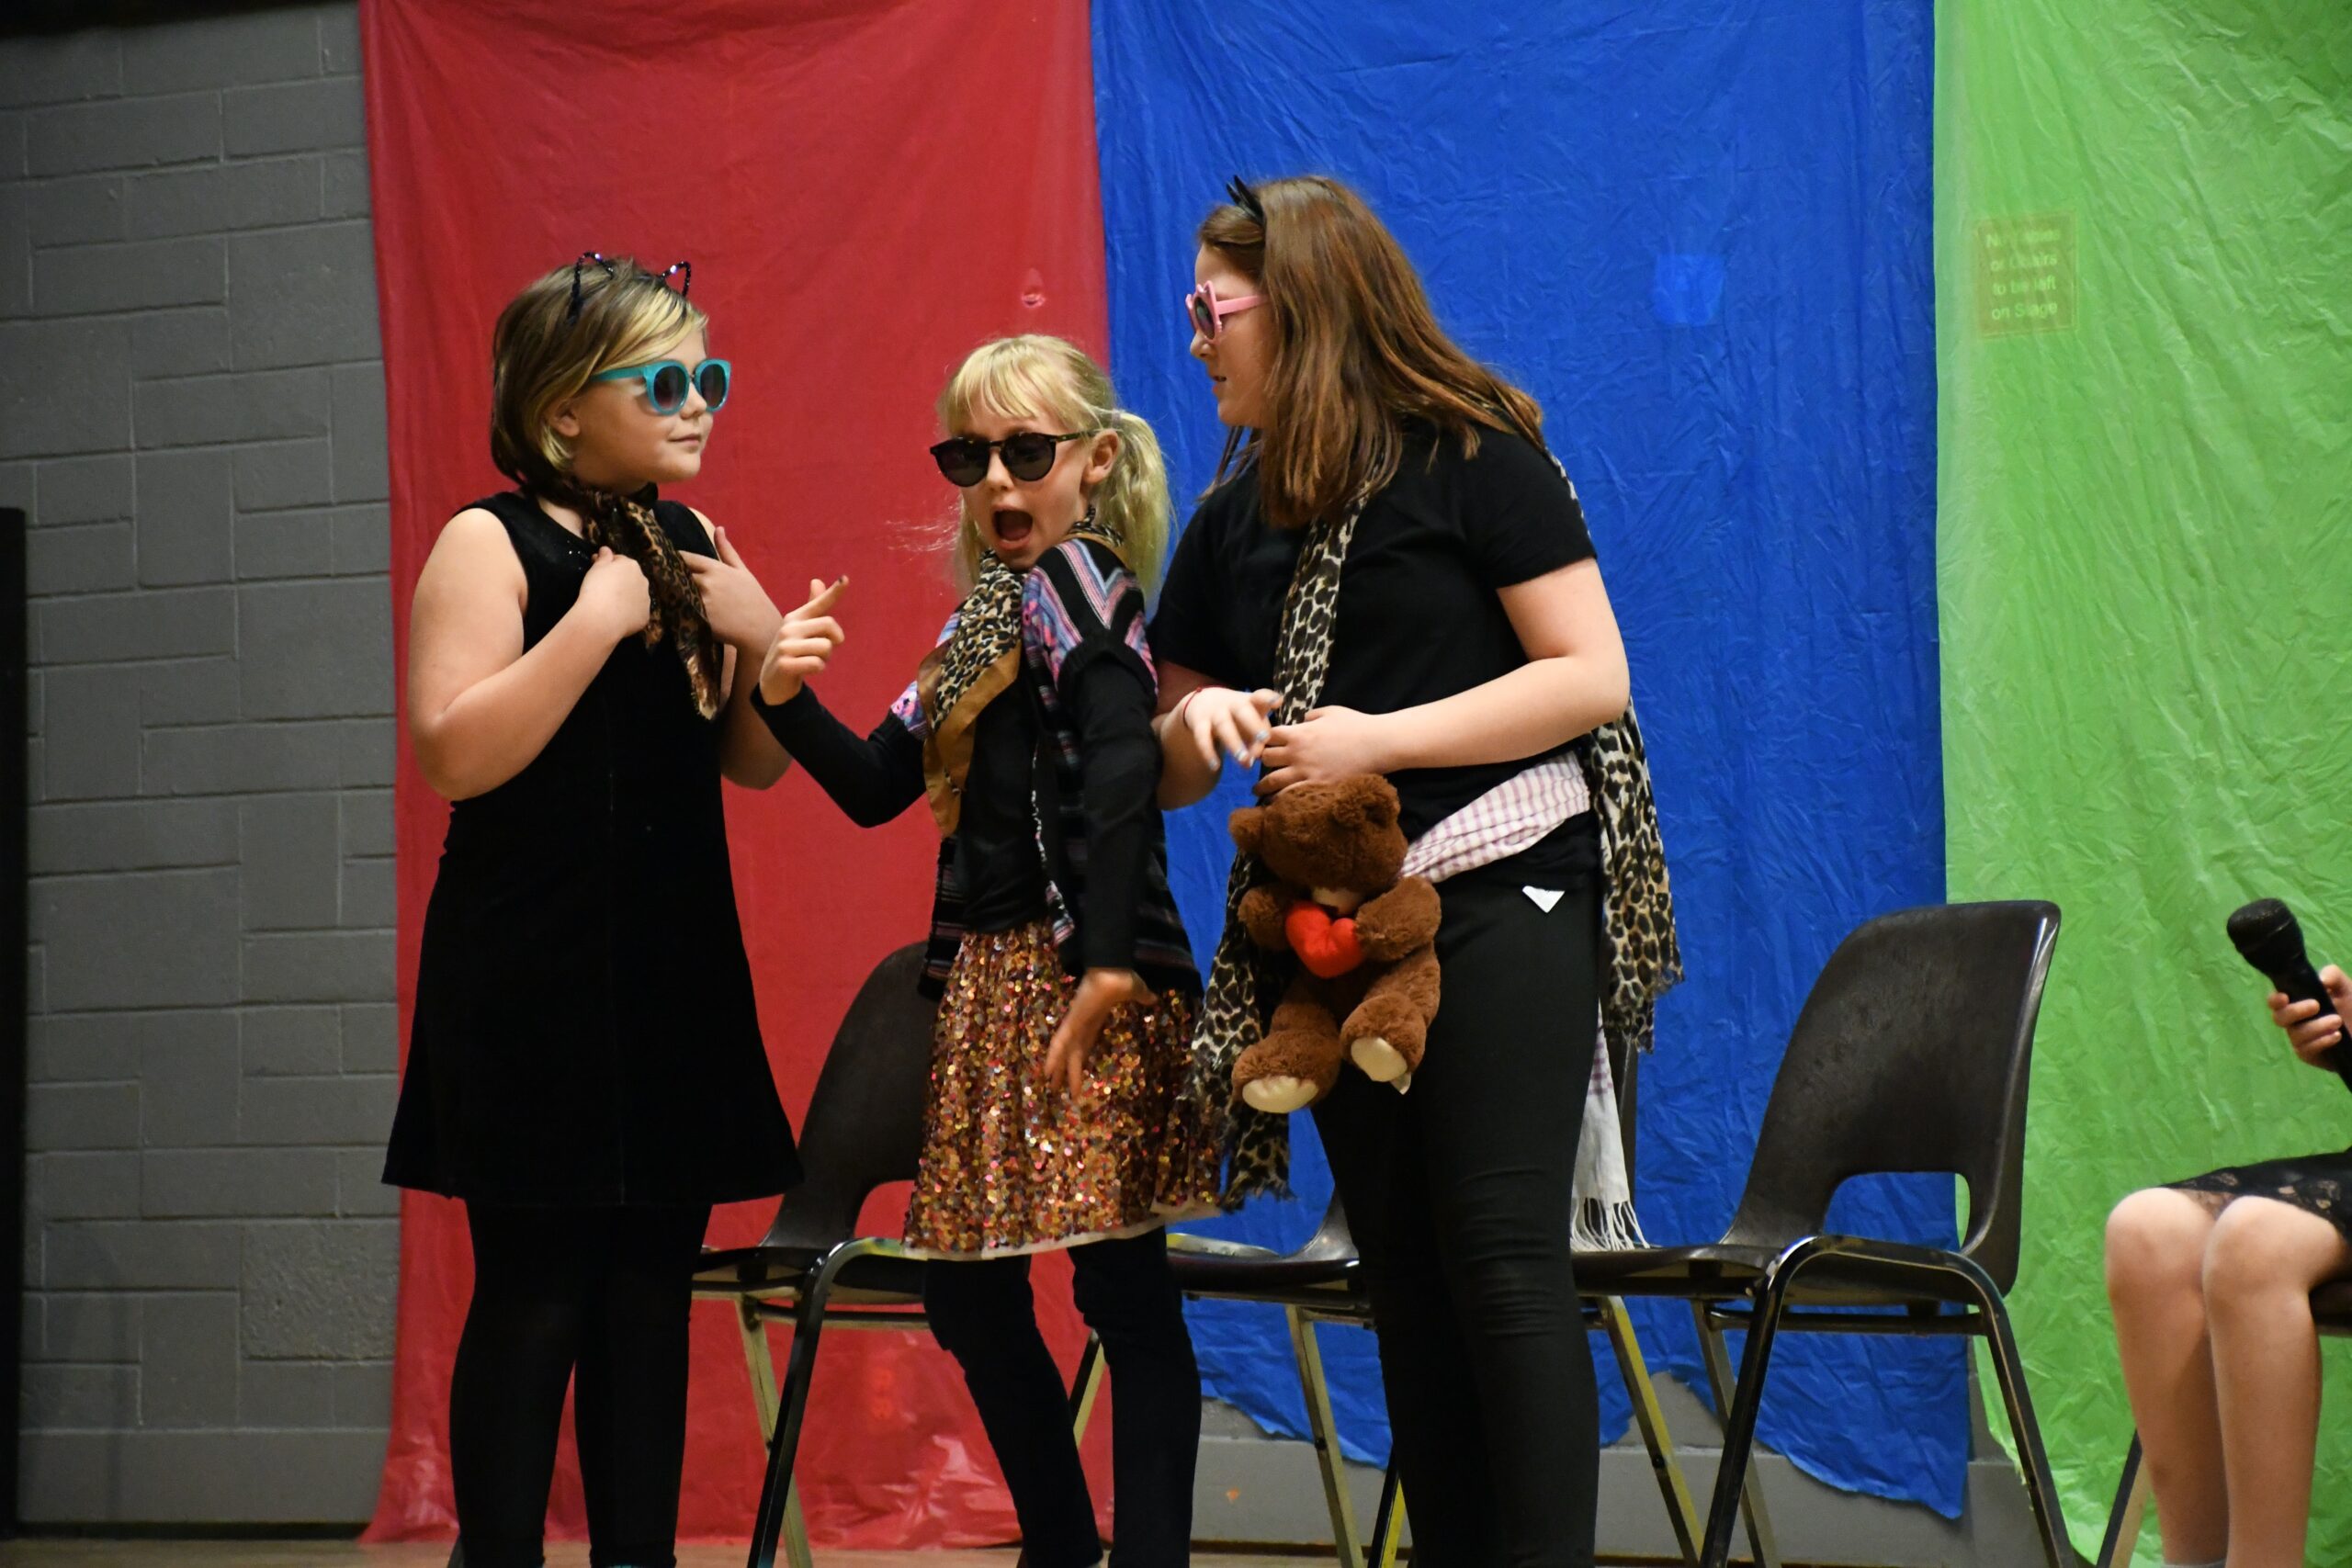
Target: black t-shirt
pixel 1418 617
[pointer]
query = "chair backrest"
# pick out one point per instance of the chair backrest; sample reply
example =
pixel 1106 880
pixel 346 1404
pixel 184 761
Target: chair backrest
pixel 1332 1242
pixel 2332 1307
pixel 1625 1072
pixel 1911 1055
pixel 863 1129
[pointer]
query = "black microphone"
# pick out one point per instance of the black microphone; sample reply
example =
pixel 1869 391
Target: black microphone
pixel 2268 937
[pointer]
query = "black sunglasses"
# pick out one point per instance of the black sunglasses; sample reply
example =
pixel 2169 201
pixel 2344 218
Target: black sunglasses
pixel 1028 454
pixel 682 271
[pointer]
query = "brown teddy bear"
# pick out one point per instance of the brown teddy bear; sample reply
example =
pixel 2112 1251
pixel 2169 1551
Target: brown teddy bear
pixel 1367 981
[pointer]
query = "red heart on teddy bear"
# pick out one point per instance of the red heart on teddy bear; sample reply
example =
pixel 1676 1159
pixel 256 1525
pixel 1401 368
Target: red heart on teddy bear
pixel 1326 946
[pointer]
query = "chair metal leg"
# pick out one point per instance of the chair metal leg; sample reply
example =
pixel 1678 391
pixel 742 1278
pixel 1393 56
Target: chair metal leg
pixel 1085 1387
pixel 758 1359
pixel 778 1500
pixel 1326 1443
pixel 2130 1507
pixel 796 1530
pixel 1761 1546
pixel 1631 1366
pixel 1733 1477
pixel 2041 1485
pixel 762 1364
pixel 1388 1524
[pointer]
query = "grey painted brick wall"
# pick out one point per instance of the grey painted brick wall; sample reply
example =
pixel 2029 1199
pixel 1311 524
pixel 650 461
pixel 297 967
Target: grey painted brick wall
pixel 191 410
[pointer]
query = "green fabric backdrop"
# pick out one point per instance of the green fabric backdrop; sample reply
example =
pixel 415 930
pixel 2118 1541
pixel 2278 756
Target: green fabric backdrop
pixel 2143 218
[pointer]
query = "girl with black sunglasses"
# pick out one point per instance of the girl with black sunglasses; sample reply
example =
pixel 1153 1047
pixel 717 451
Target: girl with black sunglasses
pixel 1067 988
pixel 584 1068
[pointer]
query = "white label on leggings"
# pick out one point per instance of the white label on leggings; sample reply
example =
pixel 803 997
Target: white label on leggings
pixel 1544 897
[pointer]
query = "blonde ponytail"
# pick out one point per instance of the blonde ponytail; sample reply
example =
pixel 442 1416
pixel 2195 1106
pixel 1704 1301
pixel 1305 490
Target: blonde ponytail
pixel 1132 501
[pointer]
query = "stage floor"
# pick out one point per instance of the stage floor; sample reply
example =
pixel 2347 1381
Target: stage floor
pixel 78 1553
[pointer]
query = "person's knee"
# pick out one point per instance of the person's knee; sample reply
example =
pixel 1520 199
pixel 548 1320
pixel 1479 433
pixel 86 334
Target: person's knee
pixel 2260 1249
pixel 1493 1275
pixel 1412 1293
pixel 645 1300
pixel 966 1303
pixel 531 1275
pixel 2155 1241
pixel 1495 1246
pixel 1519 1292
pixel 512 1313
pixel 1128 1291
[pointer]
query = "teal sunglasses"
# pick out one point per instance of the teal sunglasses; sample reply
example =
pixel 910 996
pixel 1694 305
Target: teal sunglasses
pixel 667 381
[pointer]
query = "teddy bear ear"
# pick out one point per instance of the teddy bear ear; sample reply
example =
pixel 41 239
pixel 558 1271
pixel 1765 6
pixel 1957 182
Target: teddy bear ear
pixel 1245 825
pixel 1368 802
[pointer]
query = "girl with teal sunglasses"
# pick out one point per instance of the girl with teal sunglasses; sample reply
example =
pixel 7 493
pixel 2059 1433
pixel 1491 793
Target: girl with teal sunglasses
pixel 585 1071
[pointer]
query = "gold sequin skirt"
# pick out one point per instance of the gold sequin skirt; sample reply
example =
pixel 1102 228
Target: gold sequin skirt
pixel 1012 1162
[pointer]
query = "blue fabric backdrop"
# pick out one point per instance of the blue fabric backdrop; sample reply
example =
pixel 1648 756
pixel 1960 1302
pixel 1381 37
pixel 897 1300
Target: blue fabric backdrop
pixel 1697 231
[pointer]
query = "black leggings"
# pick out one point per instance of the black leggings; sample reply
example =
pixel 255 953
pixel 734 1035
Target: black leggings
pixel 1459 1196
pixel 603 1290
pixel 983 1313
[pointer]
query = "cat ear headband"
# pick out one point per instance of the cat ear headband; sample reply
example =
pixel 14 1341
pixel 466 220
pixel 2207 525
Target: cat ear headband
pixel 1242 196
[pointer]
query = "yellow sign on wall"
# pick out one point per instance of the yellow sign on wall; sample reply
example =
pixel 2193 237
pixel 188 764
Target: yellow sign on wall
pixel 2025 273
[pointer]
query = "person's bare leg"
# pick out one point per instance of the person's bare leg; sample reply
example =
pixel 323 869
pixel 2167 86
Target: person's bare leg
pixel 2155 1261
pixel 2260 1265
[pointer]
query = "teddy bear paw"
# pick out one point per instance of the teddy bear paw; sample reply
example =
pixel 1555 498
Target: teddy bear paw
pixel 1279 1095
pixel 1380 1061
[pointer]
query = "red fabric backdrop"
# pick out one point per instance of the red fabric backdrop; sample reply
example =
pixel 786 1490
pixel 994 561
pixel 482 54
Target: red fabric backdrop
pixel 866 191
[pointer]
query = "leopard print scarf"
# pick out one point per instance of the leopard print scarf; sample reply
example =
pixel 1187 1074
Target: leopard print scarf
pixel 626 525
pixel 1637 910
pixel 980 659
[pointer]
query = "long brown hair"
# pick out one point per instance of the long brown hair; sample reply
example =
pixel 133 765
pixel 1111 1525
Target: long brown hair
pixel 541 353
pixel 1356 351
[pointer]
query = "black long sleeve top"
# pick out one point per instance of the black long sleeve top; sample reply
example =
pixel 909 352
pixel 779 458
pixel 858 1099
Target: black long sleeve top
pixel 999 865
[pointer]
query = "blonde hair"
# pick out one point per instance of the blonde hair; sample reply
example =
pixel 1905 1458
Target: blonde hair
pixel 542 353
pixel 540 356
pixel 1053 380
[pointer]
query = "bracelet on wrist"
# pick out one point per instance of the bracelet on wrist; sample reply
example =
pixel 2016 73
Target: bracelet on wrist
pixel 1176 715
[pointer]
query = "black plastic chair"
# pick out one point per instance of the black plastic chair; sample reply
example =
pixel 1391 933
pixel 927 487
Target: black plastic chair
pixel 2331 1314
pixel 1911 1056
pixel 1322 1283
pixel 864 1131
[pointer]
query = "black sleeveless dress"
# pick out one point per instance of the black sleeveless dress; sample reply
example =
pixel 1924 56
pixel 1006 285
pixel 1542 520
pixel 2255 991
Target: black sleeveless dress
pixel 585 1030
pixel 2317 1184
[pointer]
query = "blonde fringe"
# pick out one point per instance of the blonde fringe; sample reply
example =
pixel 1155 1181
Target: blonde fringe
pixel 1052 381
